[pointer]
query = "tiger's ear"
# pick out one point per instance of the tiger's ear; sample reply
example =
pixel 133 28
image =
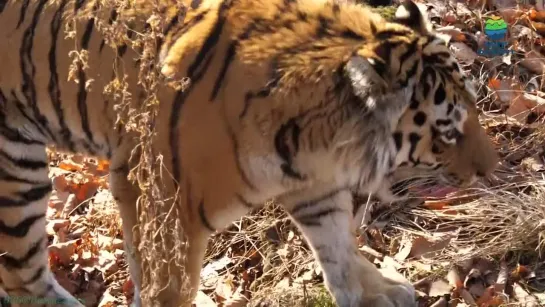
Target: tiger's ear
pixel 364 77
pixel 412 16
pixel 371 83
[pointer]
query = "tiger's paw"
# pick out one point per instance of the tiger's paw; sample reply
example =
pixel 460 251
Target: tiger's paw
pixel 389 290
pixel 391 296
pixel 374 290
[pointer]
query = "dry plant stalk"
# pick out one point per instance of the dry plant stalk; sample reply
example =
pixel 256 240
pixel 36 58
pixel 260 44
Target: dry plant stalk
pixel 159 235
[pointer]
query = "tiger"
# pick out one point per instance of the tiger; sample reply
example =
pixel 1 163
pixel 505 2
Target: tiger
pixel 307 102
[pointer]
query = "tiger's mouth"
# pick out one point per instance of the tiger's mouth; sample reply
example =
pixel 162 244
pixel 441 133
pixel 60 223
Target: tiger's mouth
pixel 424 189
pixel 433 191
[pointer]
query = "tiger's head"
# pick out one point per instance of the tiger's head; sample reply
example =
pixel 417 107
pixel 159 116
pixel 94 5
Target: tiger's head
pixel 437 137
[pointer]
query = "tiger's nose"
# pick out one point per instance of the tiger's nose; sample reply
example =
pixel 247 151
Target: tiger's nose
pixel 471 181
pixel 463 183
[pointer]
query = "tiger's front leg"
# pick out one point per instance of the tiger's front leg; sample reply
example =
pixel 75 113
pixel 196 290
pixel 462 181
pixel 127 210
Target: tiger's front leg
pixel 352 280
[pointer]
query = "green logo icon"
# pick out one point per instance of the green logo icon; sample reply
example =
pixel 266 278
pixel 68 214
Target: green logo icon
pixel 495 29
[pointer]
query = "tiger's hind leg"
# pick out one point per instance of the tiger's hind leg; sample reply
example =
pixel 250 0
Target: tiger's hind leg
pixel 327 224
pixel 24 193
pixel 126 195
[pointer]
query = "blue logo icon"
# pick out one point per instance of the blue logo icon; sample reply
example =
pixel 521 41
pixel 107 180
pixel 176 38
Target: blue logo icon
pixel 495 30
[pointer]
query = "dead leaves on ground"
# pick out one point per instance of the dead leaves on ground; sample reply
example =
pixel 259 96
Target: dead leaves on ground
pixel 521 96
pixel 86 249
pixel 476 282
pixel 479 283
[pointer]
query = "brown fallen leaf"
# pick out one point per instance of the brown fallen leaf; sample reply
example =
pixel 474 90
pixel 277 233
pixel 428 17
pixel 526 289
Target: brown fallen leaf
pixel 520 272
pixel 237 299
pixel 64 280
pixel 436 204
pixel 202 300
pixel 109 243
pixel 441 302
pixel 60 183
pixel 89 298
pixel 510 15
pixel 58 199
pixel 477 289
pixel 108 300
pixel 103 166
pixel 61 253
pixel 86 257
pixel 452 31
pixel 439 287
pixel 390 272
pixel 454 279
pixel 533 61
pixel 489 298
pixel 119 253
pixel 71 166
pixel 210 275
pixel 404 250
pixel 103 197
pixel 51 213
pixel 87 190
pixel 70 205
pixel 56 171
pixel 77 158
pixel 371 252
pixel 53 226
pixel 535 15
pixel 377 239
pixel 105 258
pixel 538 27
pixel 463 52
pixel 519 103
pixel 523 297
pixel 110 268
pixel 427 247
pixel 450 18
pixel 533 163
pixel 224 289
pixel 502 279
pixel 466 296
pixel 128 288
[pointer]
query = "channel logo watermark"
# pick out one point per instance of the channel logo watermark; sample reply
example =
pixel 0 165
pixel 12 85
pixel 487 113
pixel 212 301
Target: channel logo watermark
pixel 32 300
pixel 495 29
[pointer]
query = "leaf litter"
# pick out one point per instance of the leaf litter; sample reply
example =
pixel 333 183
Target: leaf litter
pixel 84 230
pixel 481 246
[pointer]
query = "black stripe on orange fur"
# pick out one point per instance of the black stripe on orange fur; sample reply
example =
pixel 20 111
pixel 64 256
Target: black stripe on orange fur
pixel 21 229
pixel 17 263
pixel 28 70
pixel 204 58
pixel 53 86
pixel 22 13
pixel 89 145
pixel 204 220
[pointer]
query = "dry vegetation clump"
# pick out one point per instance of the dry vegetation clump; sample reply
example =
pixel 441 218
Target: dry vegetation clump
pixel 476 247
pixel 160 238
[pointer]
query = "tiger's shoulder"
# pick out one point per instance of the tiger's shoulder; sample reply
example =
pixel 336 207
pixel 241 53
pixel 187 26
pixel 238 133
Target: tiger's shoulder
pixel 303 39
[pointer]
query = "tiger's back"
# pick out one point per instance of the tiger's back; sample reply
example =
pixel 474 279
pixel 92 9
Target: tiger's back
pixel 298 100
